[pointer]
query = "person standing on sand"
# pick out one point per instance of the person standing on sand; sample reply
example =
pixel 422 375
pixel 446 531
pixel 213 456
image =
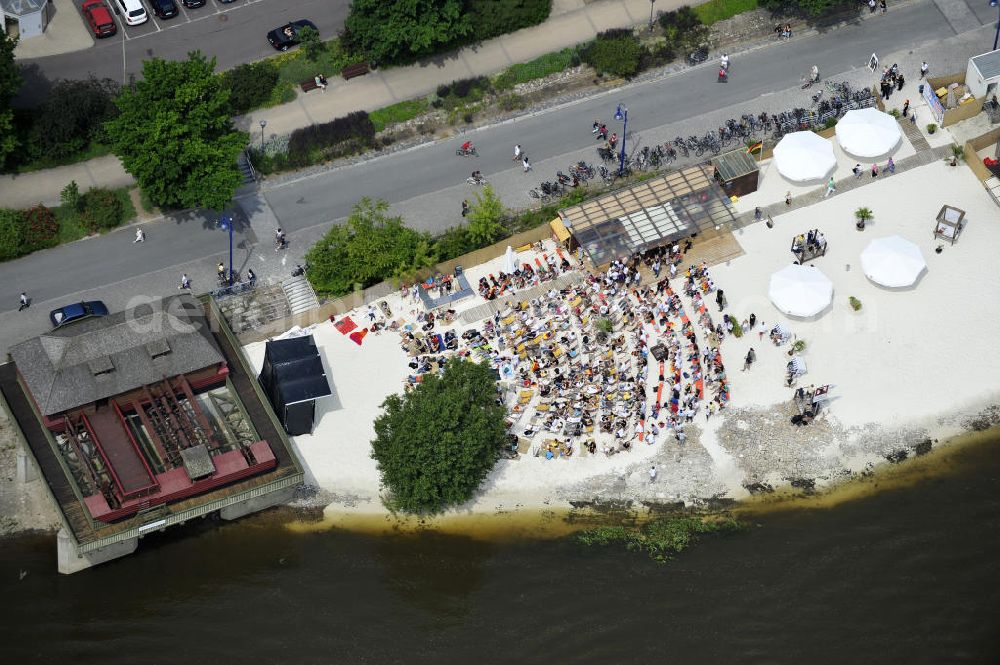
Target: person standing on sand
pixel 652 474
pixel 749 360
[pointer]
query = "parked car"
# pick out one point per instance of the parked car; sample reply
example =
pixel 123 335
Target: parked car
pixel 191 4
pixel 132 11
pixel 77 312
pixel 99 18
pixel 287 35
pixel 163 8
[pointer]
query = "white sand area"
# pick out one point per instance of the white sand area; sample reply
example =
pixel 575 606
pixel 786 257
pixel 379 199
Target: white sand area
pixel 913 360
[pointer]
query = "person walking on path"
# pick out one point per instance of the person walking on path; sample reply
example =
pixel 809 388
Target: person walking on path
pixel 753 321
pixel 857 170
pixel 923 69
pixel 720 299
pixel 890 166
pixel 749 360
pixel 830 188
pixel 906 107
pixel 526 164
pixel 874 170
pixel 140 235
pixel 465 207
pixel 652 474
pixel 788 198
pixel 882 7
pixel 517 152
pixel 25 302
pixel 185 282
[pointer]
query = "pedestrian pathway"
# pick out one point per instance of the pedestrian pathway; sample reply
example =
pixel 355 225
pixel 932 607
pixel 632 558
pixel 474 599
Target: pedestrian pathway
pixel 922 158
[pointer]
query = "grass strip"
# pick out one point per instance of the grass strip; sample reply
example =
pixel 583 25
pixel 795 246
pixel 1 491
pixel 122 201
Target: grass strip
pixel 714 11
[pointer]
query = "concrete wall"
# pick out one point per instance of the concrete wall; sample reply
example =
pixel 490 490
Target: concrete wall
pixel 257 503
pixel 70 562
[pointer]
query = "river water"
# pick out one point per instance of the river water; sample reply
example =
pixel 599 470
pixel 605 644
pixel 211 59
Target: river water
pixel 899 569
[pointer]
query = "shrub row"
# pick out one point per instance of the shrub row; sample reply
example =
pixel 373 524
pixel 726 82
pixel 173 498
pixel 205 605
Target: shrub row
pixel 38 227
pixel 343 136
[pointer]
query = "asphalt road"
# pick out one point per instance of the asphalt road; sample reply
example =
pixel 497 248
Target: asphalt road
pixel 233 33
pixel 112 268
pixel 329 196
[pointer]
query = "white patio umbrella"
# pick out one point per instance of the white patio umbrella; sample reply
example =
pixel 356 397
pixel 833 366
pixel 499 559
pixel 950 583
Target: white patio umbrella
pixel 892 261
pixel 803 156
pixel 800 290
pixel 867 132
pixel 509 261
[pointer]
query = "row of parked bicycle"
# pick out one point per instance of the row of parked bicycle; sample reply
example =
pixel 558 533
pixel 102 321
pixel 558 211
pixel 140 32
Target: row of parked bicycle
pixel 841 99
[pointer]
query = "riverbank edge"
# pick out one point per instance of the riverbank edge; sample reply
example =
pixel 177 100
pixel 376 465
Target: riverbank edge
pixel 540 515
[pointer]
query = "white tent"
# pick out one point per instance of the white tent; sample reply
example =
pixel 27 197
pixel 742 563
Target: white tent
pixel 509 261
pixel 799 290
pixel 892 261
pixel 803 156
pixel 867 132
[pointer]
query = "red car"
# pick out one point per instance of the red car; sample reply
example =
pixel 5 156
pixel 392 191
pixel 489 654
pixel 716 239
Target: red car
pixel 99 18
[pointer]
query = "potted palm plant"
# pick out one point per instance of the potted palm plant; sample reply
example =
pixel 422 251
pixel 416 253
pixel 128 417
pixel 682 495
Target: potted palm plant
pixel 863 215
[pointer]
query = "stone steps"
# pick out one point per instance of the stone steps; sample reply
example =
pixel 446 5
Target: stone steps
pixel 300 294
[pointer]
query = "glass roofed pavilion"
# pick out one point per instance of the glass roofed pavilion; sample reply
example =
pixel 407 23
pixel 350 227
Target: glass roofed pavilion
pixel 662 209
pixel 23 18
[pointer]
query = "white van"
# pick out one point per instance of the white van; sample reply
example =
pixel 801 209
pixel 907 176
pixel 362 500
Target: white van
pixel 131 11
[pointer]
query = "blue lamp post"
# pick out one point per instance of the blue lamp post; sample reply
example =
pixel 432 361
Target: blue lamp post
pixel 996 38
pixel 226 222
pixel 621 113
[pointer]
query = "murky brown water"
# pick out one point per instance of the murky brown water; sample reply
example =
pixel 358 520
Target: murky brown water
pixel 900 569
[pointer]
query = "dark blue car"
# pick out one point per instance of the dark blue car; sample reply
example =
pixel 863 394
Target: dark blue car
pixel 76 312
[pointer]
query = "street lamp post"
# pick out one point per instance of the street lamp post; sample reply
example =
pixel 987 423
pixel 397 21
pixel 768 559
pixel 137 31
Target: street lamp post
pixel 263 124
pixel 621 113
pixel 651 3
pixel 996 38
pixel 226 222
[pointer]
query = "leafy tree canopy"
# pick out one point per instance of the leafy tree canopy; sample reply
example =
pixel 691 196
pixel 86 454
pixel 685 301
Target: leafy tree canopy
pixel 436 444
pixel 10 83
pixel 486 218
pixel 389 31
pixel 73 116
pixel 174 134
pixel 369 247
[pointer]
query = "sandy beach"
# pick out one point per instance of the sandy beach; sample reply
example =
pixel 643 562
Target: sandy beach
pixel 912 366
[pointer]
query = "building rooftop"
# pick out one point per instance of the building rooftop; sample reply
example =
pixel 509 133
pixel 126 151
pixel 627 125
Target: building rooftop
pixel 100 357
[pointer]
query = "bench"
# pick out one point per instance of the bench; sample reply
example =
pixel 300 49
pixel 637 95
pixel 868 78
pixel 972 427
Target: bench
pixel 351 71
pixel 308 84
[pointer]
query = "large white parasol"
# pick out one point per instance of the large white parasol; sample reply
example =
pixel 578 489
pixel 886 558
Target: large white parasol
pixel 867 132
pixel 892 261
pixel 800 290
pixel 803 156
pixel 509 261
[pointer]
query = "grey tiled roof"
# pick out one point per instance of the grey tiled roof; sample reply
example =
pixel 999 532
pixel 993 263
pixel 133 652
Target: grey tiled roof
pixel 102 357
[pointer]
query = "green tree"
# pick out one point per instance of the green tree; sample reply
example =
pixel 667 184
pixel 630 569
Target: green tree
pixel 436 444
pixel 369 247
pixel 486 218
pixel 175 136
pixel 311 43
pixel 73 117
pixel 70 197
pixel 10 83
pixel 391 31
pixel 250 85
